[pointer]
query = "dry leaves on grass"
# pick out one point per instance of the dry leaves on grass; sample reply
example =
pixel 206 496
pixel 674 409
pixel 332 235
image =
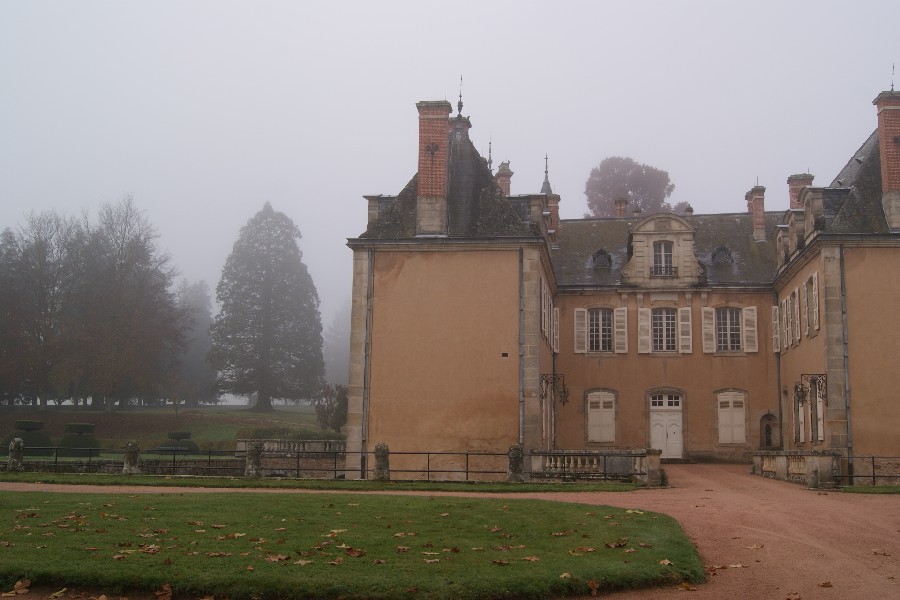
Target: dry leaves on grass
pixel 20 587
pixel 165 593
pixel 593 585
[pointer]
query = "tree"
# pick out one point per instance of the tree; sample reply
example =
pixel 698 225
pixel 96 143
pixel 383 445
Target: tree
pixel 336 347
pixel 331 407
pixel 616 177
pixel 267 337
pixel 195 379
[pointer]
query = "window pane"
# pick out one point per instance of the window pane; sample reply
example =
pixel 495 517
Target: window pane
pixel 663 329
pixel 600 330
pixel 728 329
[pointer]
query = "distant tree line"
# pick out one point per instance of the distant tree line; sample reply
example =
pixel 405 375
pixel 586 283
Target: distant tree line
pixel 89 313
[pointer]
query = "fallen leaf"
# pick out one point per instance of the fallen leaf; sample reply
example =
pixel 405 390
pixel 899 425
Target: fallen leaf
pixel 629 550
pixel 500 563
pixel 755 546
pixel 687 587
pixel 378 561
pixel 445 514
pixel 560 533
pixel 593 585
pixel 57 594
pixel 566 576
pixel 430 553
pixel 354 552
pixel 478 549
pixel 432 560
pixel 336 561
pixel 249 567
pixel 584 549
pixel 118 557
pixel 825 584
pixel 645 545
pixel 531 558
pixel 454 550
pixel 737 566
pixel 495 529
pixel 277 558
pixel 217 554
pixel 634 512
pixel 402 549
pixel 302 562
pixel 665 561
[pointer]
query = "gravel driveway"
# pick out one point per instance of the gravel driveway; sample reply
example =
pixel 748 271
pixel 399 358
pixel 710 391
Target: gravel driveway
pixel 793 543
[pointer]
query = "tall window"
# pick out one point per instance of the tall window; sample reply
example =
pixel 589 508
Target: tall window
pixel 731 417
pixel 728 329
pixel 600 330
pixel 663 330
pixel 662 260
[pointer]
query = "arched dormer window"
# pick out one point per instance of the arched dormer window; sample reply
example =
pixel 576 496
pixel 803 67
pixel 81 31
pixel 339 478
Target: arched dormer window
pixel 722 255
pixel 601 260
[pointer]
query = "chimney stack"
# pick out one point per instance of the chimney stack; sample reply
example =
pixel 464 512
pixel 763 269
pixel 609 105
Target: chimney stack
pixel 621 203
pixel 503 177
pixel 795 184
pixel 888 105
pixel 756 207
pixel 434 136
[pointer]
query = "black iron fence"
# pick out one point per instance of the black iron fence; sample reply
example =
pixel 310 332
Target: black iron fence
pixel 870 470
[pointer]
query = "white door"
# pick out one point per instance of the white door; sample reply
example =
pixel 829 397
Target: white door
pixel 665 425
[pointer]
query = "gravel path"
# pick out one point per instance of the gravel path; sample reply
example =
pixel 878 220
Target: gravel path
pixel 790 540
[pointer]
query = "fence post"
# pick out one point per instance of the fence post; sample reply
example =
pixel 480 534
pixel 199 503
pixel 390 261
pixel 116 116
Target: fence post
pixel 131 465
pixel 382 470
pixel 253 465
pixel 654 468
pixel 516 455
pixel 16 455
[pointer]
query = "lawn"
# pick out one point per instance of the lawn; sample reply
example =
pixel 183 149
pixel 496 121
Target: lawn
pixel 248 545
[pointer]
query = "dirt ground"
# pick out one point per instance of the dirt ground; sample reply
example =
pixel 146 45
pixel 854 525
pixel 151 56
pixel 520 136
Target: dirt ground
pixel 769 540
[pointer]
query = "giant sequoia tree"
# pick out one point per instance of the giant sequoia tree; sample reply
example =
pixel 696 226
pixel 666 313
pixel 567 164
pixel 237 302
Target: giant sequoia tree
pixel 267 337
pixel 646 187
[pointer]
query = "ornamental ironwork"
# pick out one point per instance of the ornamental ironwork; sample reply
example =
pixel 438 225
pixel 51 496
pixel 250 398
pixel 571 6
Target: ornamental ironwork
pixel 811 383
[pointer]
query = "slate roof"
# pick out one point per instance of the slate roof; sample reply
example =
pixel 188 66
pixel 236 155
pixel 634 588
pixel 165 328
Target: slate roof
pixel 752 262
pixel 853 202
pixel 476 205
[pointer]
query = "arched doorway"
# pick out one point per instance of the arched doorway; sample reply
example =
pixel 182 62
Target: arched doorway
pixel 769 432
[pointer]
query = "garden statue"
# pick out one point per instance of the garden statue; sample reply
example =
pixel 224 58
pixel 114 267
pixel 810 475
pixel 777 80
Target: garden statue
pixel 16 454
pixel 253 467
pixel 131 465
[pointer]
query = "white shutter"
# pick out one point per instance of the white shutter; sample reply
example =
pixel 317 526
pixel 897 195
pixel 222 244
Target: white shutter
pixel 804 309
pixel 815 301
pixel 580 333
pixel 738 433
pixel 732 421
pixel 724 418
pixel 685 339
pixel 776 331
pixel 748 327
pixel 601 417
pixel 820 416
pixel 801 422
pixel 796 298
pixel 708 315
pixel 620 330
pixel 555 330
pixel 644 331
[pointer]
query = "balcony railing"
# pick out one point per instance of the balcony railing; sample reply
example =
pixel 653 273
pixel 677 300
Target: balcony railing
pixel 663 271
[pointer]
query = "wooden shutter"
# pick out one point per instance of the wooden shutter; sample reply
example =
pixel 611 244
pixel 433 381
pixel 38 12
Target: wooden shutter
pixel 796 298
pixel 555 330
pixel 815 301
pixel 580 333
pixel 820 415
pixel 776 330
pixel 731 418
pixel 685 339
pixel 748 329
pixel 804 309
pixel 801 423
pixel 601 417
pixel 708 315
pixel 644 331
pixel 620 330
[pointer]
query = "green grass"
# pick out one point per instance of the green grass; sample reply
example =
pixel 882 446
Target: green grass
pixel 310 484
pixel 250 545
pixel 871 489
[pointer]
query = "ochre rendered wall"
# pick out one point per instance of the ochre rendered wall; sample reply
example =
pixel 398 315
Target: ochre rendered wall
pixel 436 387
pixel 632 377
pixel 873 306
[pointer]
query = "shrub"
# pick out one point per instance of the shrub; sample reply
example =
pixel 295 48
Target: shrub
pixel 78 444
pixel 29 425
pixel 79 428
pixel 179 435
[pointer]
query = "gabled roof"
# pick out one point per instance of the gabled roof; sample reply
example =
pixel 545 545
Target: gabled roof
pixel 751 262
pixel 857 209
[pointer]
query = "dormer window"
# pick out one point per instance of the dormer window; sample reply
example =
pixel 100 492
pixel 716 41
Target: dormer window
pixel 722 255
pixel 662 260
pixel 601 260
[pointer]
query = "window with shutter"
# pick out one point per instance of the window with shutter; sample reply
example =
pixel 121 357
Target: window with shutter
pixel 796 301
pixel 728 329
pixel 620 316
pixel 731 418
pixel 555 330
pixel 663 325
pixel 801 422
pixel 815 300
pixel 804 308
pixel 685 335
pixel 643 330
pixel 601 417
pixel 580 333
pixel 600 330
pixel 776 329
pixel 708 316
pixel 751 339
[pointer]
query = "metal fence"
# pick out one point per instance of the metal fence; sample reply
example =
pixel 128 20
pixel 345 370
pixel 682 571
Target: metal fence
pixel 440 466
pixel 870 470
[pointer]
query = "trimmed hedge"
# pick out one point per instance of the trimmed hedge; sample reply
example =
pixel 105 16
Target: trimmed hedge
pixel 29 425
pixel 78 428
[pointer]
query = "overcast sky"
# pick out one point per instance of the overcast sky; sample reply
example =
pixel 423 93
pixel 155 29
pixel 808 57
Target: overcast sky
pixel 203 111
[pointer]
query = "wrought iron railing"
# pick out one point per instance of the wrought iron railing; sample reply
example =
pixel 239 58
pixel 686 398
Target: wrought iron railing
pixel 663 271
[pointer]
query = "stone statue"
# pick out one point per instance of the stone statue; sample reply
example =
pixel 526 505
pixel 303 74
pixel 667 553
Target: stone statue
pixel 516 464
pixel 16 455
pixel 253 467
pixel 132 466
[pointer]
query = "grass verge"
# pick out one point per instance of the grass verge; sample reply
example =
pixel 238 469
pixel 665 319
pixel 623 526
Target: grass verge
pixel 309 484
pixel 871 489
pixel 337 545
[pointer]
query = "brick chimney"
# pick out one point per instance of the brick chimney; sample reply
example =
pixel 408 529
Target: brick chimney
pixel 795 184
pixel 756 207
pixel 888 104
pixel 434 135
pixel 621 203
pixel 503 177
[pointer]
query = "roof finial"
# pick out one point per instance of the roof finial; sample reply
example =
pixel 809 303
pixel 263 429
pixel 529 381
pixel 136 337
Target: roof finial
pixel 459 104
pixel 490 160
pixel 545 189
pixel 893 66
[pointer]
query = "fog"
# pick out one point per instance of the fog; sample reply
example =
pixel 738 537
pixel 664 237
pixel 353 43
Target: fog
pixel 203 111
